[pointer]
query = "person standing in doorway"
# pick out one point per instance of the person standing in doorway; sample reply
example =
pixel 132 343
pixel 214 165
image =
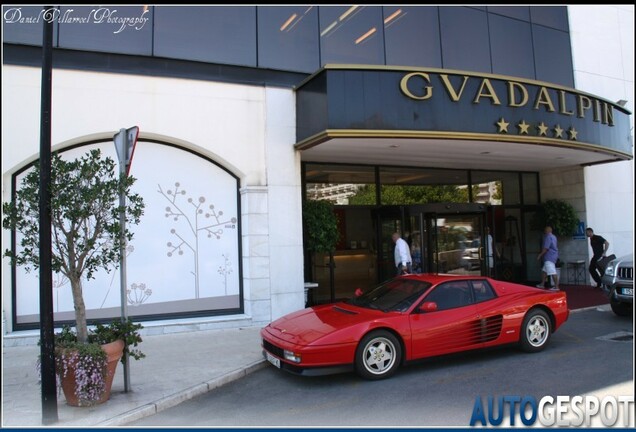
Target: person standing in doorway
pixel 549 253
pixel 491 251
pixel 599 249
pixel 402 255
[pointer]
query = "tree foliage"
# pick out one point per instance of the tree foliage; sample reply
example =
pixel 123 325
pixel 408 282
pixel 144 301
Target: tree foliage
pixel 557 213
pixel 85 219
pixel 408 194
pixel 321 226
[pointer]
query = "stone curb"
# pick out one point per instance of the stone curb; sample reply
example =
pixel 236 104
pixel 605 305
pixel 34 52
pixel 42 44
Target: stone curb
pixel 182 396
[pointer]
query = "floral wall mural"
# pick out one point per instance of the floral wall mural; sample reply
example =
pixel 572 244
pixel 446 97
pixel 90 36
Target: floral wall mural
pixel 185 255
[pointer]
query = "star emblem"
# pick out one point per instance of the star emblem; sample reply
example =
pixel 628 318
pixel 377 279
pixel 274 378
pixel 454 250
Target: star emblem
pixel 573 133
pixel 558 131
pixel 503 125
pixel 543 129
pixel 523 127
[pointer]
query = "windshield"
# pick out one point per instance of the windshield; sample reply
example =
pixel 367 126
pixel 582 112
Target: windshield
pixel 395 295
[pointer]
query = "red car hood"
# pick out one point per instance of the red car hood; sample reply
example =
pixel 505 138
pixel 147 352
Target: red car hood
pixel 308 325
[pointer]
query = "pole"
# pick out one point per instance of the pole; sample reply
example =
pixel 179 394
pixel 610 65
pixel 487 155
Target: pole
pixel 122 250
pixel 47 346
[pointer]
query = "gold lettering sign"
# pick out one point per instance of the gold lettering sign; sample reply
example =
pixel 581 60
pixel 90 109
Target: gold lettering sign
pixel 485 83
pixel 428 90
pixel 512 99
pixel 518 95
pixel 543 98
pixel 449 87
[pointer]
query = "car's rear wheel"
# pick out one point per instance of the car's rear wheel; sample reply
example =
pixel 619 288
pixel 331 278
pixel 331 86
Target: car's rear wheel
pixel 378 355
pixel 535 331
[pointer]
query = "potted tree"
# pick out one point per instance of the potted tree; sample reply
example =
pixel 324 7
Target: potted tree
pixel 559 214
pixel 321 233
pixel 86 237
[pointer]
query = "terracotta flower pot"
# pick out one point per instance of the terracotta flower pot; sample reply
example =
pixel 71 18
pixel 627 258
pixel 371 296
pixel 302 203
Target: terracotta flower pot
pixel 114 352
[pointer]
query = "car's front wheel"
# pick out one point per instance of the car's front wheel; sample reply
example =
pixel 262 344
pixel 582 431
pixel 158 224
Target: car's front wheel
pixel 378 355
pixel 621 309
pixel 535 331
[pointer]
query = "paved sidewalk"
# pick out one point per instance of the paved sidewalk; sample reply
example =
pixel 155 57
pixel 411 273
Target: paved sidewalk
pixel 177 367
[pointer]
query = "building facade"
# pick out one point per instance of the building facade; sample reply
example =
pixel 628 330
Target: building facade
pixel 438 122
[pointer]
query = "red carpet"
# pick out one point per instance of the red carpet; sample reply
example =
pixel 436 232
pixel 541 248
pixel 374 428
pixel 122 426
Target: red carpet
pixel 582 296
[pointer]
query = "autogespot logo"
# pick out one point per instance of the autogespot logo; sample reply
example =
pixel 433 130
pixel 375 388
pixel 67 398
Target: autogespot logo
pixel 562 411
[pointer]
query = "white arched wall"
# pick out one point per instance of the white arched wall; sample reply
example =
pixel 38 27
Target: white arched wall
pixel 248 130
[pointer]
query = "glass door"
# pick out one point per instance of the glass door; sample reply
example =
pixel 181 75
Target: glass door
pixel 439 242
pixel 456 243
pixel 388 221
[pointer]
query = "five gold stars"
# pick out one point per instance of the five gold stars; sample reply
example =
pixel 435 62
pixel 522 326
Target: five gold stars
pixel 542 129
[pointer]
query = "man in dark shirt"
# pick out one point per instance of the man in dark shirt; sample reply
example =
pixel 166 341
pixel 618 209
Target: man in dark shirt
pixel 599 248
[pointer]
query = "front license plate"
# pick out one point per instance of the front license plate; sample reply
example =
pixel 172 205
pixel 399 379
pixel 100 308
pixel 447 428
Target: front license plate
pixel 273 360
pixel 628 291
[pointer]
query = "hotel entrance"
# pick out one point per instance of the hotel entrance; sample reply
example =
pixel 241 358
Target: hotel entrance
pixel 442 213
pixel 443 238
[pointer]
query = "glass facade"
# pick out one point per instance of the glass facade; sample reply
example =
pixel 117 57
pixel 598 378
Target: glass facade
pixel 411 36
pixel 351 34
pixel 511 47
pixel 303 38
pixel 402 186
pixel 341 184
pixel 287 38
pixel 122 37
pixel 203 33
pixel 465 44
pixel 445 215
pixel 356 185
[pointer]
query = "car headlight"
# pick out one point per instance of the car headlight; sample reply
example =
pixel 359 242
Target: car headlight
pixel 609 270
pixel 292 356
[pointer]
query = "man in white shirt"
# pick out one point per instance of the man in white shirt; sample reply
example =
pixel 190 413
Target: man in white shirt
pixel 402 255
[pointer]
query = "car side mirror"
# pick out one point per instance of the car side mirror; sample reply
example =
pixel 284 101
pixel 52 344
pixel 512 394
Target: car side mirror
pixel 428 307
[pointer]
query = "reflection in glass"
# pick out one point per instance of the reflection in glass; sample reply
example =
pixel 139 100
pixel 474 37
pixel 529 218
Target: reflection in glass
pixel 287 38
pixel 458 247
pixel 341 184
pixel 351 34
pixel 412 36
pixel 403 186
pixel 496 187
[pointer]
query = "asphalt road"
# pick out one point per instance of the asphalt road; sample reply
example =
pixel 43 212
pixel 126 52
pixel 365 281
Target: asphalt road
pixel 592 351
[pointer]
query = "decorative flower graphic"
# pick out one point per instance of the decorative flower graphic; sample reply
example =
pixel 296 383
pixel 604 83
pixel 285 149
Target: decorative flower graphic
pixel 138 293
pixel 225 270
pixel 191 225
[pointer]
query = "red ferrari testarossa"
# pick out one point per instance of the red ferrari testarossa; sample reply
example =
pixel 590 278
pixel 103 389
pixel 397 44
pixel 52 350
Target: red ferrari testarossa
pixel 409 318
